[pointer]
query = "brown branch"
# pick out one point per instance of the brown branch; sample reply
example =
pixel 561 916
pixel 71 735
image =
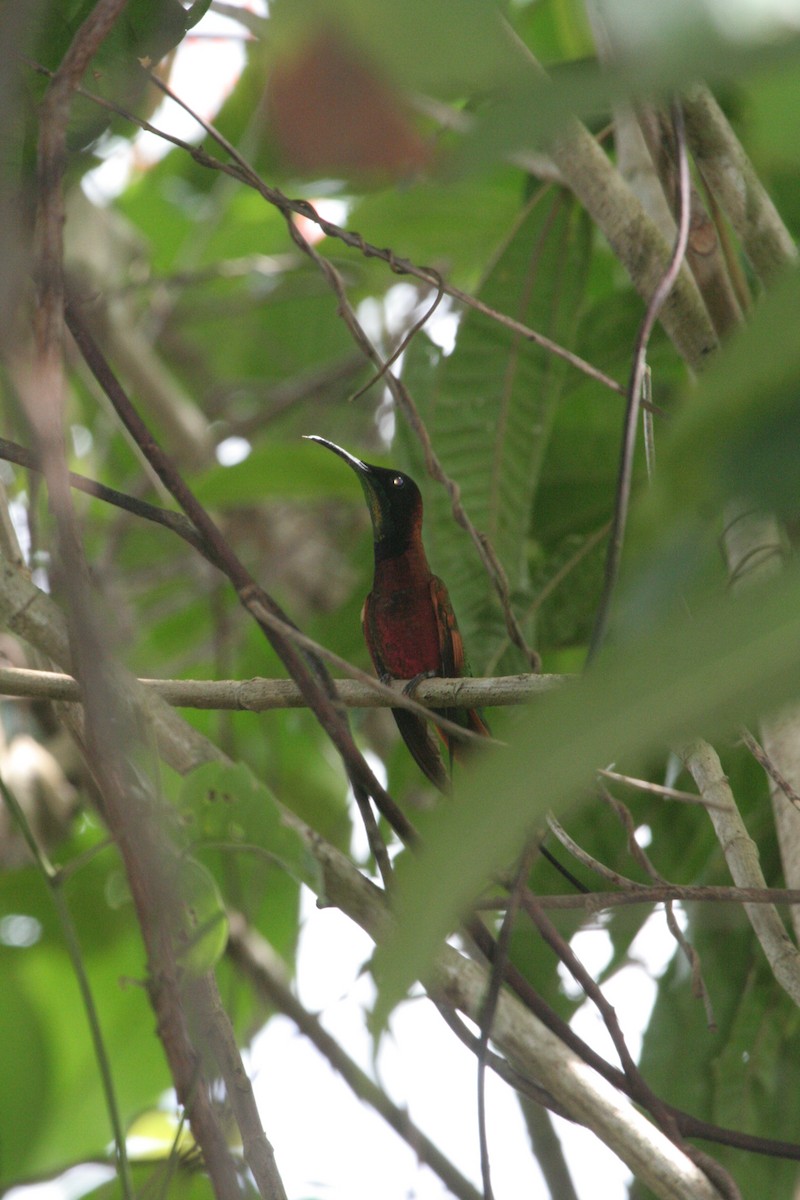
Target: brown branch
pixel 261 695
pixel 639 1090
pixel 586 859
pixel 770 767
pixel 176 522
pixel 654 789
pixel 353 240
pixel 128 805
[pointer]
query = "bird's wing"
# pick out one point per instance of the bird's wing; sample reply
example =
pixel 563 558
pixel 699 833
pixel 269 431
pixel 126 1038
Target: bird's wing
pixel 413 729
pixel 454 659
pixel 451 645
pixel 371 639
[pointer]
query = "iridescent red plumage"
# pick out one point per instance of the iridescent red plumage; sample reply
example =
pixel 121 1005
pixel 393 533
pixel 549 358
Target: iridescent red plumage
pixel 408 620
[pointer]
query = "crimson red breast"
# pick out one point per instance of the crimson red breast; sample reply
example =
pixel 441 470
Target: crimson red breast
pixel 409 624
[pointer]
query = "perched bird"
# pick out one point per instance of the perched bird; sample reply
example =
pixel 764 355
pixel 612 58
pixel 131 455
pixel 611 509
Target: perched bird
pixel 408 620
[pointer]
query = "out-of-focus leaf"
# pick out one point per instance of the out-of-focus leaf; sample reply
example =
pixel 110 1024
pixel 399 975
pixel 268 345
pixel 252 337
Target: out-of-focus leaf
pixel 203 932
pixel 731 660
pixel 449 48
pixel 531 109
pixel 228 804
pixel 144 33
pixel 276 469
pixel 171 1178
pixel 156 1133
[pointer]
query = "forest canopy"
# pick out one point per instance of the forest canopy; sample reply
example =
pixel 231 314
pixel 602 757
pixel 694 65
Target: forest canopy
pixel 540 259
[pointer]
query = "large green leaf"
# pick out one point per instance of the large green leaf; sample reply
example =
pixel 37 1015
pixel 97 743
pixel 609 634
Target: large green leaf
pixel 44 1029
pixel 489 407
pixel 731 661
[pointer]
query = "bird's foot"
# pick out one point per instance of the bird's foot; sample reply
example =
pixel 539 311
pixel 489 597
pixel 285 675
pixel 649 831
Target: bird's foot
pixel 414 683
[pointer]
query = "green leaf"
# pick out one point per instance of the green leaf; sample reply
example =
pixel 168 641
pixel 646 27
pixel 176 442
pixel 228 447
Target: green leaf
pixel 50 1041
pixel 173 1179
pixel 490 405
pixel 740 1077
pixel 203 934
pixel 226 803
pixel 732 660
pixel 277 469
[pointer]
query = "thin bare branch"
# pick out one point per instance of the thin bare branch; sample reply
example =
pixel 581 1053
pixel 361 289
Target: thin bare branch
pixel 655 789
pixel 699 988
pixel 641 893
pixel 583 856
pixel 176 522
pixel 768 764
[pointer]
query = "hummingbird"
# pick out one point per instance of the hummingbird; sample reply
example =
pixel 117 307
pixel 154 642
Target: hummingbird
pixel 408 620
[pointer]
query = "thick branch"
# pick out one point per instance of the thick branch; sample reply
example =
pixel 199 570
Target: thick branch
pixel 755 550
pixel 110 738
pixel 635 239
pixel 730 177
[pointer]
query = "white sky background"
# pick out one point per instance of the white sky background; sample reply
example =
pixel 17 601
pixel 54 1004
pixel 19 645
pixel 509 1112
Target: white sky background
pixel 328 1145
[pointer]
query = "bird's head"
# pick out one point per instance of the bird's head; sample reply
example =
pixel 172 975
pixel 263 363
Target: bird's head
pixel 394 501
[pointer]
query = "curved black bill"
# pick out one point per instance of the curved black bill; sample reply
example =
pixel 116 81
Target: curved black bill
pixel 355 463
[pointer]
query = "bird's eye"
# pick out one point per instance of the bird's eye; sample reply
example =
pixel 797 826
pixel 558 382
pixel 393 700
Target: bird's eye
pixel 399 481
